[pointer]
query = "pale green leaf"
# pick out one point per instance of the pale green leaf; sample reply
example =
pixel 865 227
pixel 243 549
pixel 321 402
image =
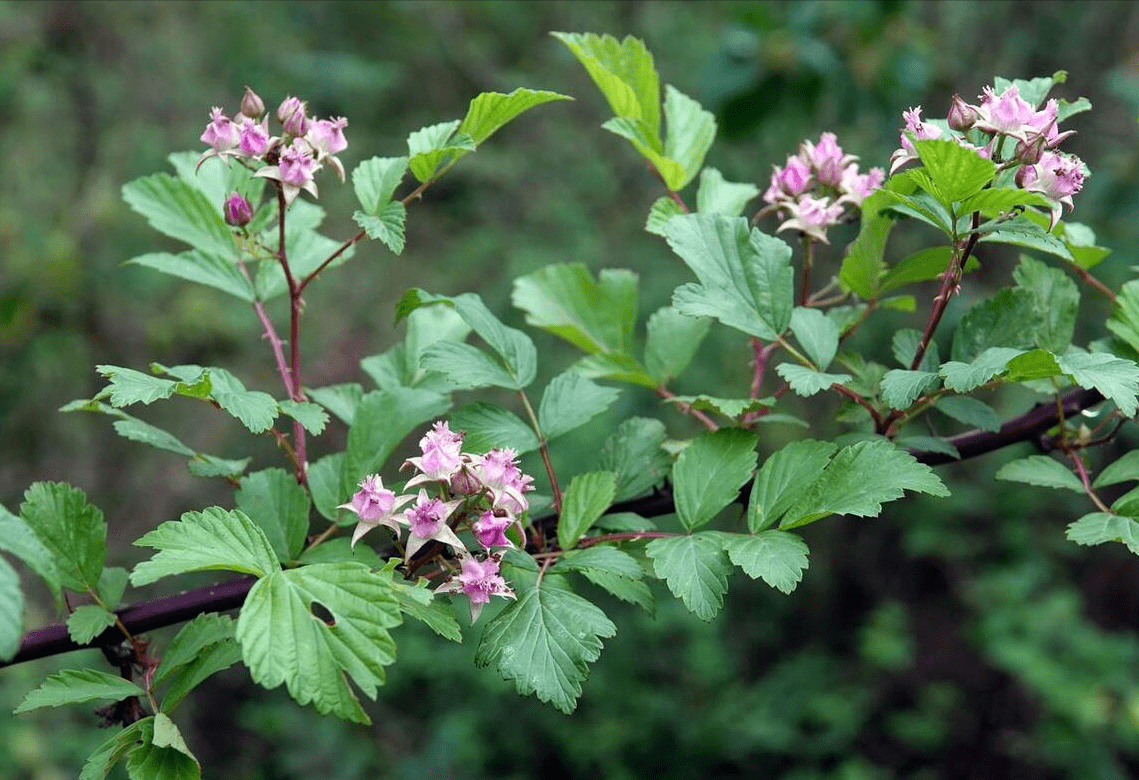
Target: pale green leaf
pixel 782 479
pixel 695 570
pixel 87 622
pixel 1124 469
pixel 777 557
pixel 491 110
pixel 111 752
pixel 863 265
pixel 1124 319
pixel 386 226
pixel 18 538
pixel 175 208
pixel 375 179
pixel 691 130
pixel 1056 301
pixel 311 417
pixel 341 399
pixel 1100 527
pixel 128 386
pixel 672 341
pixel 252 408
pixel 210 659
pixel 162 754
pixel 585 500
pixel 431 146
pixel 900 388
pixel 962 377
pixel 212 270
pixel 11 611
pixel 194 637
pixel 905 344
pixel 806 381
pixel 956 171
pixel 817 334
pixel 72 529
pixel 662 210
pixel 1023 232
pixel 284 641
pixel 1042 471
pixel 279 506
pixel 717 196
pixel 211 540
pixel 623 71
pixel 76 686
pixel 1116 378
pixel 565 300
pixel 545 640
pixel 570 401
pixel 733 408
pixel 134 429
pixel 466 366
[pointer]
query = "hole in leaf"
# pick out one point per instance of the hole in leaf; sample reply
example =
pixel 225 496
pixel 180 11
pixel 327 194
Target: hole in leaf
pixel 321 612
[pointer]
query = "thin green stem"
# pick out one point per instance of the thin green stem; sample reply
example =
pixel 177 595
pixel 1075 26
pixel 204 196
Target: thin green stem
pixel 544 449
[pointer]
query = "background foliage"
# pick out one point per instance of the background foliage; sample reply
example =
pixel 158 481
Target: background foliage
pixel 947 639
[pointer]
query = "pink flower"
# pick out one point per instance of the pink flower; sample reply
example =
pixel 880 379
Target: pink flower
pixel 255 140
pixel 479 580
pixel 812 216
pixel 826 159
pixel 237 210
pixel 291 115
pixel 498 471
pixel 1003 114
pixel 427 520
pixel 220 133
pixel 961 116
pixel 856 187
pixel 922 131
pixel 441 459
pixel 374 505
pixel 791 180
pixel 490 529
pixel 1057 176
pixel 327 135
pixel 251 104
pixel 295 170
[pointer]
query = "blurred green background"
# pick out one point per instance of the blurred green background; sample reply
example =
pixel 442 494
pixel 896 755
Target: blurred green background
pixel 948 639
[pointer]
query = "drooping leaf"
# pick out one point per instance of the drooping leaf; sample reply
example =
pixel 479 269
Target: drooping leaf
pixel 859 480
pixel 284 641
pixel 252 408
pixel 1116 378
pixel 782 479
pixel 611 569
pixel 745 276
pixel 709 473
pixel 921 266
pixel 672 342
pixel 733 408
pixel 585 500
pixel 279 506
pixel 1023 232
pixel 570 401
pixel 593 316
pixel 311 417
pixel 1100 527
pixel 176 209
pixel 134 429
pixel 717 196
pixel 806 381
pixel 162 754
pixel 76 686
pixel 430 147
pixel 777 557
pixel 218 271
pixel 1042 471
pixel 211 540
pixel 963 377
pixel 662 210
pixel 111 752
pixel 620 368
pixel 491 110
pixel 694 568
pixel 1124 469
pixel 72 529
pixel 194 637
pixel 418 602
pixel 633 452
pixel 489 426
pixel 863 265
pixel 386 226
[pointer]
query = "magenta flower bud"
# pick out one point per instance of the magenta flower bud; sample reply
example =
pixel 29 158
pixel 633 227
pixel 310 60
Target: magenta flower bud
pixel 291 115
pixel 238 211
pixel 1029 151
pixel 251 105
pixel 255 140
pixel 297 164
pixel 220 133
pixel 962 116
pixel 490 530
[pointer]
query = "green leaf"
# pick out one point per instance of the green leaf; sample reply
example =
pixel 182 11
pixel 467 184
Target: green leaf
pixel 11 611
pixel 466 366
pixel 921 206
pixel 1125 469
pixel 252 408
pixel 782 479
pixel 905 345
pixel 733 408
pixel 375 179
pixel 274 501
pixel 1116 378
pixel 134 429
pixel 611 569
pixel 545 640
pixel 339 549
pixel 211 540
pixel 87 622
pixel 996 200
pixel 695 570
pixel 1008 319
pixel 430 146
pixel 623 71
pixel 570 401
pixel 745 276
pixel 209 466
pixel 593 316
pixel 131 387
pixel 1081 241
pixel 672 342
pixel 73 530
pixel 817 334
pixel 111 752
pixel 620 368
pixel 963 377
pixel 1056 300
pixel 307 249
pixel 863 265
pixel 859 480
pixel 325 484
pixel 663 209
pixel 1022 231
pixel 387 226
pixel 211 659
pixel 311 417
pixel 112 584
pixel 717 196
pixel 341 399
pixel 194 637
pixel 18 538
pixel 585 500
pixel 956 171
pixel 1100 527
pixel 176 209
pixel 491 110
pixel 215 179
pixel 691 130
pixel 418 602
pixel 969 411
pixel 777 557
pixel 1042 471
pixel 806 381
pixel 709 473
pixel 648 145
pixel 920 267
pixel 284 641
pixel 1124 319
pixel 916 445
pixel 76 686
pixel 383 419
pixel 900 388
pixel 489 426
pixel 163 754
pixel 218 271
pixel 633 452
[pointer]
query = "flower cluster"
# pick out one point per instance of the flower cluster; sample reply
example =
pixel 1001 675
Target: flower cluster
pixel 816 185
pixel 292 158
pixel 485 494
pixel 994 125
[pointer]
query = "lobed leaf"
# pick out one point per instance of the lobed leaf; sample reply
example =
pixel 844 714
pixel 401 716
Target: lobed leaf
pixel 211 540
pixel 695 570
pixel 777 557
pixel 72 529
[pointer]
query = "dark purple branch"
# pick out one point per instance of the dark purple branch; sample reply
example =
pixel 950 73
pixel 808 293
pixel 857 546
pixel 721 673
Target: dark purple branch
pixel 170 610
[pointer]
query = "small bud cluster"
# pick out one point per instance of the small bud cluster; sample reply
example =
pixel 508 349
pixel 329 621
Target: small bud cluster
pixel 984 128
pixel 292 158
pixel 816 185
pixel 485 494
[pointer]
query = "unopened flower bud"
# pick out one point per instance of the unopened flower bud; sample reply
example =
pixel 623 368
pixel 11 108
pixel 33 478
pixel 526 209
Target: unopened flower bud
pixel 1030 151
pixel 961 116
pixel 291 115
pixel 251 105
pixel 238 210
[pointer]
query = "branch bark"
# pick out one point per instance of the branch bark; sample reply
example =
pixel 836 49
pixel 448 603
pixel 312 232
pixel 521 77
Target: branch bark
pixel 219 597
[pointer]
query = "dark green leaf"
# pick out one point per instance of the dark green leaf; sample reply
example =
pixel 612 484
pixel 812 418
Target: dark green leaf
pixel 862 267
pixel 11 611
pixel 1042 471
pixel 777 557
pixel 817 334
pixel 252 408
pixel 488 426
pixel 963 377
pixel 111 752
pixel 1116 378
pixel 956 171
pixel 783 478
pixel 570 401
pixel 419 602
pixel 383 419
pixel 612 570
pixel 163 754
pixel 633 452
pixel 920 267
pixel 672 342
pixel 709 473
pixel 18 538
pixel 806 381
pixel 695 570
pixel 1125 469
pixel 279 506
pixel 594 316
pixel 1022 231
pixel 900 388
pixel 905 344
pixel 969 411
pixel 585 500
